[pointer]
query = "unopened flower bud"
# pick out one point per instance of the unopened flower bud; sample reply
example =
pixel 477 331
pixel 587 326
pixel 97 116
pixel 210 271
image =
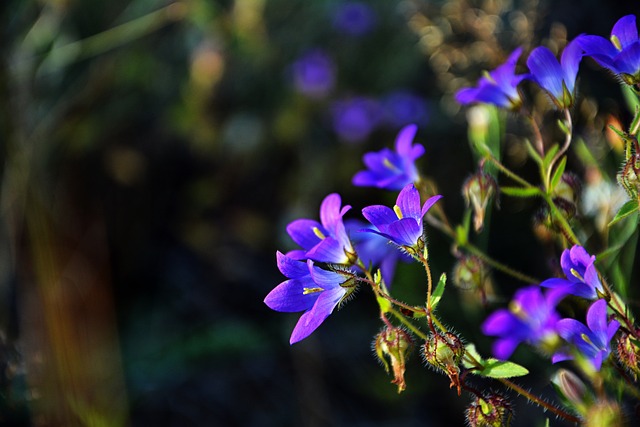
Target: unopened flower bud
pixel 628 351
pixel 478 190
pixel 394 344
pixel 444 352
pixel 604 413
pixel 573 390
pixel 489 411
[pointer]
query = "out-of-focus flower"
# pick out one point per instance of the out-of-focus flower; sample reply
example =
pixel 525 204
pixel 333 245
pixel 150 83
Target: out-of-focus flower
pixel 310 289
pixel 354 18
pixel 592 341
pixel 314 74
pixel 531 318
pixel 403 224
pixel 498 87
pixel 392 170
pixel 478 190
pixel 326 241
pixel 620 54
pixel 601 199
pixel 354 119
pixel 375 250
pixel 558 79
pixel 402 108
pixel 582 278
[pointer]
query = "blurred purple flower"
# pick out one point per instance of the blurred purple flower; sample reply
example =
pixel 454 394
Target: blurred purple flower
pixel 314 74
pixel 581 275
pixel 354 18
pixel 592 341
pixel 327 241
pixel 558 79
pixel 531 318
pixel 498 87
pixel 620 54
pixel 392 170
pixel 310 289
pixel 401 108
pixel 354 119
pixel 403 224
pixel 374 250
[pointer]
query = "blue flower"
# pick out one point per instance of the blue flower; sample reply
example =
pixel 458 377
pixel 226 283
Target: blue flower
pixel 354 18
pixel 531 318
pixel 326 241
pixel 374 250
pixel 499 87
pixel 402 108
pixel 620 55
pixel 314 74
pixel 592 341
pixel 392 170
pixel 354 119
pixel 558 79
pixel 582 278
pixel 310 289
pixel 403 224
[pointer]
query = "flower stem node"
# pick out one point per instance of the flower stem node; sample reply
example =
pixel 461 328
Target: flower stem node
pixel 478 190
pixel 444 352
pixel 394 344
pixel 489 411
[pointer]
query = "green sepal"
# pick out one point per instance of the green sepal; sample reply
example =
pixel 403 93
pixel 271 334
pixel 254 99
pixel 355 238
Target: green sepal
pixel 436 296
pixel 494 368
pixel 520 191
pixel 627 209
pixel 384 304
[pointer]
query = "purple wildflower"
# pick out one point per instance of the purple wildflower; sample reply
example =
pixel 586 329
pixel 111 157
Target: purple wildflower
pixel 403 224
pixel 531 318
pixel 592 341
pixel 582 278
pixel 326 241
pixel 499 87
pixel 402 108
pixel 354 119
pixel 354 18
pixel 558 79
pixel 620 54
pixel 310 289
pixel 314 74
pixel 392 170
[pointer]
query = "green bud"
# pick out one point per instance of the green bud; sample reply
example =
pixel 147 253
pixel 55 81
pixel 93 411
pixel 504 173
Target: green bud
pixel 489 411
pixel 394 344
pixel 478 190
pixel 573 390
pixel 627 352
pixel 444 352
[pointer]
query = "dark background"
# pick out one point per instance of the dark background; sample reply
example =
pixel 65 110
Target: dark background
pixel 149 173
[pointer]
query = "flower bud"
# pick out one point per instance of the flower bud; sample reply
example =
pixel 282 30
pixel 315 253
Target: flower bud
pixel 478 190
pixel 573 390
pixel 489 411
pixel 444 352
pixel 628 351
pixel 394 344
pixel 604 413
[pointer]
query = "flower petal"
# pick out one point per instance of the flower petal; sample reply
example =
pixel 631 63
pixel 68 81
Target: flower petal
pixel 324 278
pixel 289 296
pixel 568 328
pixel 405 139
pixel 380 216
pixel 301 231
pixel 628 61
pixel 429 203
pixel 546 71
pixel 503 348
pixel 596 45
pixel 328 250
pixel 626 30
pixel 323 307
pixel 409 202
pixel 597 317
pixel 291 267
pixel 571 56
pixel 405 231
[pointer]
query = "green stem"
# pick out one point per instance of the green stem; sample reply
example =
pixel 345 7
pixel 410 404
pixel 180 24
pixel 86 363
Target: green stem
pixel 538 401
pixel 509 173
pixel 562 221
pixel 498 265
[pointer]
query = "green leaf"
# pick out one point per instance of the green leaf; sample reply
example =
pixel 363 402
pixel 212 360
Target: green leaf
pixel 557 175
pixel 520 191
pixel 627 209
pixel 437 294
pixel 495 368
pixel 471 353
pixel 549 156
pixel 385 305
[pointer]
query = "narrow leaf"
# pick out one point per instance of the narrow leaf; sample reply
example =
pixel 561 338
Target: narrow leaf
pixel 495 368
pixel 549 156
pixel 557 175
pixel 437 294
pixel 627 209
pixel 520 191
pixel 471 353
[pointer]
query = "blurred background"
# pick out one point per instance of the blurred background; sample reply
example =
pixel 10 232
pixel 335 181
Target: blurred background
pixel 153 152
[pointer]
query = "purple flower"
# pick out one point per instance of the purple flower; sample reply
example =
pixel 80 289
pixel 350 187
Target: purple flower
pixel 354 119
pixel 620 55
pixel 531 318
pixel 392 170
pixel 592 341
pixel 354 18
pixel 314 74
pixel 310 289
pixel 375 250
pixel 558 79
pixel 582 278
pixel 401 108
pixel 499 87
pixel 402 224
pixel 326 241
